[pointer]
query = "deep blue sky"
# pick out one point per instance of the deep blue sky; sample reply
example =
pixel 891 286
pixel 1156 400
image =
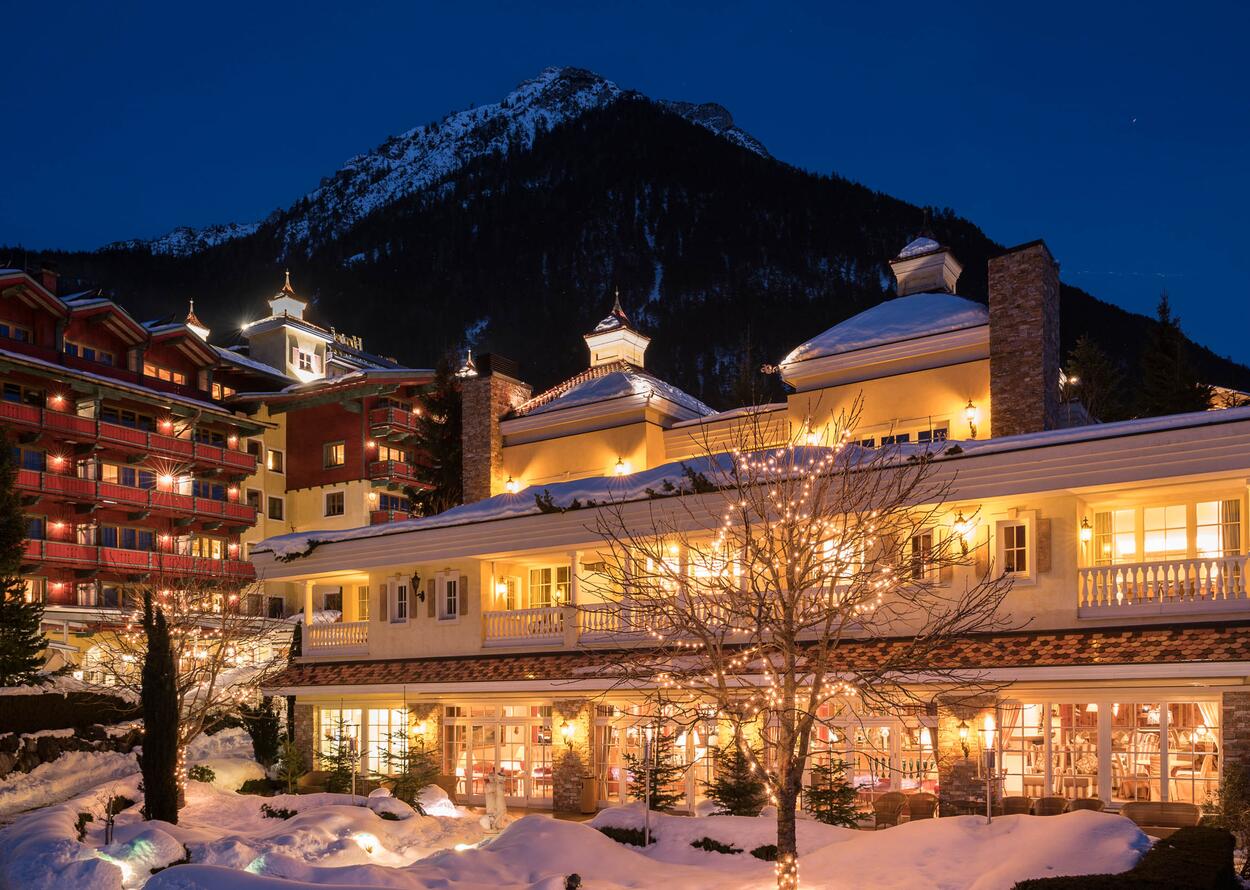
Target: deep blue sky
pixel 1118 132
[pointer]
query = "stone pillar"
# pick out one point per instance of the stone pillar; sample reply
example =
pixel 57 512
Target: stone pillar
pixel 304 740
pixel 1235 728
pixel 485 399
pixel 1024 340
pixel 571 757
pixel 961 777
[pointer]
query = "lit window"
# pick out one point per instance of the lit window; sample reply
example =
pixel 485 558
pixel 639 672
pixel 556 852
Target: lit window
pixel 222 392
pixel 388 740
pixel 334 454
pixel 386 452
pixel 339 727
pixel 549 587
pixel 1115 536
pixel 1165 532
pixel 1219 528
pixel 362 603
pixel 273 461
pixel 449 601
pixel 1015 549
pixel 335 503
pixel 921 555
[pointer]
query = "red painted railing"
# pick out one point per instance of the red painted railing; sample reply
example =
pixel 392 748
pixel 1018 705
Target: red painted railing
pixel 119 559
pixel 152 498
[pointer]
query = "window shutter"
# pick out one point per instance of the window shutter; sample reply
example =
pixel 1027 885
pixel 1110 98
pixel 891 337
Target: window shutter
pixel 295 355
pixel 431 597
pixel 384 604
pixel 946 572
pixel 1043 546
pixel 463 605
pixel 981 549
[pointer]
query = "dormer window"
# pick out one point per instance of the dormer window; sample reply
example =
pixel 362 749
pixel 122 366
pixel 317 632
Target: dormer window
pixel 90 353
pixel 161 373
pixel 11 331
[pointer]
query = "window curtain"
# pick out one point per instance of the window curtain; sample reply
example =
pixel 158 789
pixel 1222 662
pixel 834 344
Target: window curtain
pixel 1210 711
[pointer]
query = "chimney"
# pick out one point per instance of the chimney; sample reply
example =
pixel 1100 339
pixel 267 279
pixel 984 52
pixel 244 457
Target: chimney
pixel 1024 340
pixel 485 398
pixel 49 278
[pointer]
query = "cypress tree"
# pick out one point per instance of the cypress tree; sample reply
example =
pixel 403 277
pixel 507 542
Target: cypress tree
pixel 21 635
pixel 736 789
pixel 438 443
pixel 830 797
pixel 1170 383
pixel 159 698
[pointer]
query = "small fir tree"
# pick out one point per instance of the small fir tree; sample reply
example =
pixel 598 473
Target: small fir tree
pixel 159 760
pixel 21 636
pixel 411 766
pixel 438 442
pixel 291 766
pixel 264 726
pixel 1099 381
pixel 1170 383
pixel 830 797
pixel 737 789
pixel 341 761
pixel 665 774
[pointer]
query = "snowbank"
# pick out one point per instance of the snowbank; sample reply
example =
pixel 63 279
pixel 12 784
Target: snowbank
pixel 72 773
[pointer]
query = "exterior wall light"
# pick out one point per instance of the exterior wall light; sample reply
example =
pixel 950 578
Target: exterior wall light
pixel 1087 533
pixel 970 415
pixel 510 486
pixel 963 730
pixel 963 528
pixel 567 730
pixel 621 467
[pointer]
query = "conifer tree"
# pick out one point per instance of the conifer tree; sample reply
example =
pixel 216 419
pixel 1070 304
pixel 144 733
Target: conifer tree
pixel 1169 383
pixel 830 797
pixel 410 766
pixel 159 699
pixel 263 726
pixel 1099 382
pixel 665 774
pixel 291 765
pixel 341 761
pixel 21 636
pixel 737 789
pixel 438 444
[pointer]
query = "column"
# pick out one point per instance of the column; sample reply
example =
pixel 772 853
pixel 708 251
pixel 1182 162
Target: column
pixel 308 615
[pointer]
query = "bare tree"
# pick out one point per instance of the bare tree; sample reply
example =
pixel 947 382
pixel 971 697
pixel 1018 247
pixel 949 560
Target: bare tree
pixel 221 653
pixel 752 587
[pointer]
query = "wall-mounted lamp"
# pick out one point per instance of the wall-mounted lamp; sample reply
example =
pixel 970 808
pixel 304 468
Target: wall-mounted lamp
pixel 963 737
pixel 963 528
pixel 1086 533
pixel 621 468
pixel 371 444
pixel 567 730
pixel 510 486
pixel 970 415
pixel 415 581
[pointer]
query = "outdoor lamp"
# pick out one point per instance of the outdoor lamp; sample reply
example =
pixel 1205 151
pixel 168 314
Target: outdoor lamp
pixel 566 730
pixel 963 528
pixel 621 467
pixel 510 486
pixel 1087 533
pixel 970 415
pixel 963 737
pixel 415 581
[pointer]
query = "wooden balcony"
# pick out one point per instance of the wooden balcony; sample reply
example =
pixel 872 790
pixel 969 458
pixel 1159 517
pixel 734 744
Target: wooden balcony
pixel 381 517
pixel 131 562
pixel 524 627
pixel 338 638
pixel 72 488
pixel 392 473
pixel 73 428
pixel 394 424
pixel 1203 585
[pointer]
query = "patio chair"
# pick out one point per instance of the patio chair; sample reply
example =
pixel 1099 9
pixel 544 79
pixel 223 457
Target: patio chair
pixel 887 808
pixel 1049 806
pixel 1017 806
pixel 921 805
pixel 1161 819
pixel 1086 803
pixel 1191 784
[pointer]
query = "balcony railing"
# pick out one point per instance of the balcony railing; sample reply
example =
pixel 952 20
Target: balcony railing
pixel 523 627
pixel 380 517
pixel 392 472
pixel 337 638
pixel 127 495
pixel 386 421
pixel 87 429
pixel 122 561
pixel 1162 587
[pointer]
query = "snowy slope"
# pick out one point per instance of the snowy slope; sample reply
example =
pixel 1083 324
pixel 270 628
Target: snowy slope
pixel 425 155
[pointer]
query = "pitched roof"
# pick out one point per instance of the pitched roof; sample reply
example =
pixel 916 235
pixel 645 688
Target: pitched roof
pixel 608 381
pixel 1174 645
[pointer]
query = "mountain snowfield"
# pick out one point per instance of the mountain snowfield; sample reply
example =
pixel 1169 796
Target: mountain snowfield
pixel 428 154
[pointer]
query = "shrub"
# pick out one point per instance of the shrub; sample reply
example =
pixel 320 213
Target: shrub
pixel 573 882
pixel 276 812
pixel 261 787
pixel 117 803
pixel 262 724
pixel 1230 809
pixel 291 767
pixel 80 825
pixel 767 852
pixel 631 836
pixel 714 846
pixel 1199 857
pixel 736 788
pixel 201 773
pixel 388 816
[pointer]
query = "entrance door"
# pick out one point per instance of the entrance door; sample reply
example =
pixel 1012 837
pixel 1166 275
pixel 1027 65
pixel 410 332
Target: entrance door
pixel 517 745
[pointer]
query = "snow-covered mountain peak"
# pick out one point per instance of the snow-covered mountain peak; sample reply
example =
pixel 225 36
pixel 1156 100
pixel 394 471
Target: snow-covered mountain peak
pixel 425 155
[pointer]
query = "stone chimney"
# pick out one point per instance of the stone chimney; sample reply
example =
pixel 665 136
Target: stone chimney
pixel 486 397
pixel 49 278
pixel 1024 340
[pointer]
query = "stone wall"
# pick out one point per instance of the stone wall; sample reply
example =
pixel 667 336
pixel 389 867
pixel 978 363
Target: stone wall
pixel 1024 340
pixel 23 753
pixel 1235 728
pixel 571 755
pixel 961 776
pixel 485 399
pixel 304 735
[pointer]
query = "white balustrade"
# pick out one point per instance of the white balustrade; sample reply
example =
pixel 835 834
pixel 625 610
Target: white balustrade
pixel 339 636
pixel 519 627
pixel 1163 586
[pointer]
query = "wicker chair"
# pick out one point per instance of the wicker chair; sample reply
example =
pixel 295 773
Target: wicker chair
pixel 921 805
pixel 1160 819
pixel 1049 806
pixel 1086 803
pixel 1017 806
pixel 887 809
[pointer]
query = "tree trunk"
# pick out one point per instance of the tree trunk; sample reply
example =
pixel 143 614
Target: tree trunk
pixel 787 839
pixel 159 760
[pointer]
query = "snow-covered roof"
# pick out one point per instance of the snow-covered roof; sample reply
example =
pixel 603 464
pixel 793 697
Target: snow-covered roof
pixel 919 247
pixel 903 318
pixel 234 357
pixel 614 319
pixel 610 381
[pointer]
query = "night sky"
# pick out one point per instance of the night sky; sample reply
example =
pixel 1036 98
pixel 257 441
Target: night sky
pixel 1118 132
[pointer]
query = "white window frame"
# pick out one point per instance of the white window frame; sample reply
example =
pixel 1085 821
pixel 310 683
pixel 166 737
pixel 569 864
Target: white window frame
pixel 442 581
pixel 932 573
pixel 280 499
pixel 325 503
pixel 277 451
pixel 394 588
pixel 362 602
pixel 1028 520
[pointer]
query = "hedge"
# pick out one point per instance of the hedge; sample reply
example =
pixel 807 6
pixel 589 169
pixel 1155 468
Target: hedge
pixel 62 710
pixel 1195 858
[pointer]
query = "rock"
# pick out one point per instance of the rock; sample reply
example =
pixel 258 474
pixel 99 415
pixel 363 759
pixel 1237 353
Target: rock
pixel 48 748
pixel 8 761
pixel 93 733
pixel 10 743
pixel 27 761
